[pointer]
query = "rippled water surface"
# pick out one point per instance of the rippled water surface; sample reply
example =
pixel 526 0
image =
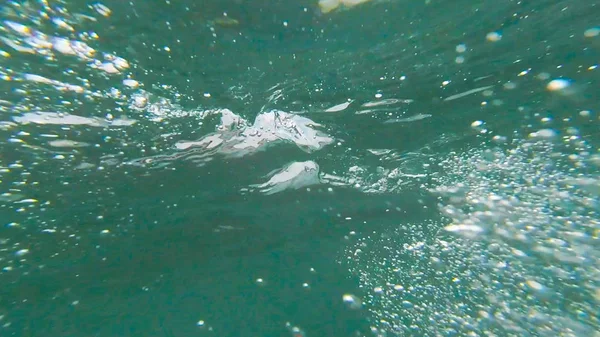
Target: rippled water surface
pixel 299 168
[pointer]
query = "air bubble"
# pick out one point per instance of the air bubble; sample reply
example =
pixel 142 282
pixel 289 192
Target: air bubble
pixel 352 301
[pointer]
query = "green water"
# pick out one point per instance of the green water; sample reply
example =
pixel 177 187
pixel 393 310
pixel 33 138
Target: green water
pixel 259 168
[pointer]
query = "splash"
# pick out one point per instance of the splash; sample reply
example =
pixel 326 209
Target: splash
pixel 295 175
pixel 235 138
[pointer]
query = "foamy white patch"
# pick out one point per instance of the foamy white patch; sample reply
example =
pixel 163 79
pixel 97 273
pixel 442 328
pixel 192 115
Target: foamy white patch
pixel 234 138
pixel 292 176
pixel 339 107
pixel 327 6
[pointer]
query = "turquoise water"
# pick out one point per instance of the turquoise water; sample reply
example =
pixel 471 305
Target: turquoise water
pixel 269 168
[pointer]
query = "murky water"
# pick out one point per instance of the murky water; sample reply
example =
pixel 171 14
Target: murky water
pixel 352 167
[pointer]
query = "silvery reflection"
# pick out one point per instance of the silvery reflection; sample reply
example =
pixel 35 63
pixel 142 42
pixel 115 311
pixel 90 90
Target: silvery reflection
pixel 294 175
pixel 55 118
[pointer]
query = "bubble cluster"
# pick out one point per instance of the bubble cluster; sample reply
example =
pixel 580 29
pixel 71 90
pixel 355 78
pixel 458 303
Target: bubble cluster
pixel 37 32
pixel 516 252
